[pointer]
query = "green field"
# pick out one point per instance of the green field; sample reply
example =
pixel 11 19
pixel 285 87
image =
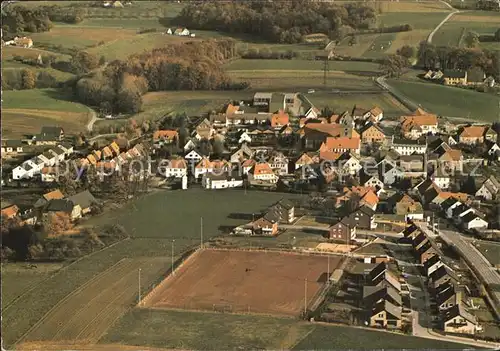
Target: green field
pixel 347 66
pixel 209 331
pixel 450 101
pixel 46 99
pixel 490 250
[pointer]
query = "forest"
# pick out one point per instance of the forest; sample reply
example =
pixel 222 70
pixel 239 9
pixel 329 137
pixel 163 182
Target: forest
pixel 186 66
pixel 278 21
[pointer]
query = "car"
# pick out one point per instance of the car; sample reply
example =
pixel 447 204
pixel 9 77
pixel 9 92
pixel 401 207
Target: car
pixel 311 91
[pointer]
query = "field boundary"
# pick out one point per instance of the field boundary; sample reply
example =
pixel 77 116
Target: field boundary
pixel 62 301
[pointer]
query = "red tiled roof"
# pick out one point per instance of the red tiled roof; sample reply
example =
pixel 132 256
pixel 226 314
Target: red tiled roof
pixel 333 143
pixel 473 131
pixel 279 119
pixel 262 168
pixel 165 134
pixel 10 211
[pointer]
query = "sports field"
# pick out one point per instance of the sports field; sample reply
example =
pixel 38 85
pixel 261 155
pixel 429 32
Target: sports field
pixel 232 281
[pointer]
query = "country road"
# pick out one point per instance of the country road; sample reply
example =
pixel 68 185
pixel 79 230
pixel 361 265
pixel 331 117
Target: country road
pixel 454 11
pixel 93 119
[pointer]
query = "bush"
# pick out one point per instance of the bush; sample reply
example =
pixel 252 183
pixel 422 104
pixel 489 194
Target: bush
pixel 147 30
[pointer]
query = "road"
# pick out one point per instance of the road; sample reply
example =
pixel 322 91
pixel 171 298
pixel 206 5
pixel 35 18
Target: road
pixel 93 119
pixel 454 11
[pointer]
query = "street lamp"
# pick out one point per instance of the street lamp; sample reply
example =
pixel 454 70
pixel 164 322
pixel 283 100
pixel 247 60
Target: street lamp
pixel 173 242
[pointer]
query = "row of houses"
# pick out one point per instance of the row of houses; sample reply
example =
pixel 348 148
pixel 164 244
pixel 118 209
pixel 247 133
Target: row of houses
pixel 444 285
pixel 34 166
pixel 267 223
pixel 472 77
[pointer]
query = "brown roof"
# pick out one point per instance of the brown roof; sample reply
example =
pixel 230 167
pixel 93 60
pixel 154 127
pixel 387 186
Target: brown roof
pixel 332 129
pixel 262 168
pixel 342 143
pixel 473 131
pixel 230 109
pixel 329 155
pixel 177 163
pixel 107 152
pixel 91 159
pixel 408 122
pixel 375 111
pixel 249 163
pixel 279 119
pixel 165 134
pixel 304 159
pixel 204 163
pixel 114 146
pixel 10 211
pixel 54 194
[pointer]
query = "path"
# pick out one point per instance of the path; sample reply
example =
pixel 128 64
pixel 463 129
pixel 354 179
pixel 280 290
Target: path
pixel 454 11
pixel 93 119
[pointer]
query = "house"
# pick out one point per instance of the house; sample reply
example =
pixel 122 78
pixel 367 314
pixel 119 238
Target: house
pixel 409 146
pixel 242 137
pixel 411 232
pixel 304 160
pixel 473 221
pixel 266 225
pixel 412 165
pixel 262 172
pixel 174 168
pixel 375 114
pixel 24 42
pixel 66 147
pixel 64 206
pixel 388 172
pixel 381 275
pixel 53 131
pixel 421 123
pixel 345 118
pixel 241 154
pixel 374 294
pixel 342 231
pixel 448 158
pixel 280 119
pixel 472 134
pixel 9 212
pixel 457 320
pixel 183 32
pixel 441 177
pixel 12 147
pixel 221 181
pixel 454 77
pixel 363 218
pixel 403 204
pixel 279 162
pixel 432 264
pixel 493 150
pixel 460 211
pixel 442 275
pixel 193 156
pixel 203 130
pixel 45 198
pixel 371 133
pixel 447 296
pixel 84 200
pixel 386 315
pixel 58 154
pixel 419 241
pixel 348 164
pixel 342 144
pixel 285 210
pixel 49 174
pixel 164 137
pixel 370 180
pixel 475 76
pixel 191 143
pixel 489 189
pixel 49 158
pixel 426 251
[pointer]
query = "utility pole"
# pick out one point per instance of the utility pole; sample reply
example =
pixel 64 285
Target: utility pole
pixel 305 296
pixel 173 270
pixel 328 270
pixel 326 68
pixel 201 232
pixel 139 296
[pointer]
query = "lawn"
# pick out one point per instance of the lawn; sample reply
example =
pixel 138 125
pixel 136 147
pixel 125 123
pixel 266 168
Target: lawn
pixel 127 23
pixel 25 111
pixel 489 250
pixel 450 101
pixel 8 52
pixel 300 65
pixel 338 337
pixel 210 331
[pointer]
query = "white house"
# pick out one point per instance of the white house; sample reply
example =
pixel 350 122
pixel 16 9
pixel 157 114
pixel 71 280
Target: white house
pixel 174 168
pixel 222 181
pixel 183 32
pixel 409 147
pixel 349 164
pixel 243 137
pixel 67 148
pixel 375 114
pixel 473 221
pixel 279 162
pixel 49 175
pixel 441 178
pixel 20 172
pixel 489 189
pixel 193 156
pixel 262 172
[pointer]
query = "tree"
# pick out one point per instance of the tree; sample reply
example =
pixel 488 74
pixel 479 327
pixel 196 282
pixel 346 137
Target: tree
pixel 56 222
pixel 68 183
pixel 353 203
pixel 472 39
pixel 393 65
pixel 84 62
pixel 28 78
pixel 128 101
pixel 407 51
pixel 218 147
pixel 353 40
pixel 497 35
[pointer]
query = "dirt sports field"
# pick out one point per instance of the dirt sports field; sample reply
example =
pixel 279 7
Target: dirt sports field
pixel 243 281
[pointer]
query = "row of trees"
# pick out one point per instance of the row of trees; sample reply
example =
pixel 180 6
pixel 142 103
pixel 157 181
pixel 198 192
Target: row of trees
pixel 27 79
pixel 443 57
pixel 277 21
pixel 18 19
pixel 189 66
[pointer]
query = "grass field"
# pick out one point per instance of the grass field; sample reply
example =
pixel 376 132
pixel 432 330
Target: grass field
pixel 481 22
pixel 489 250
pixel 25 111
pixel 215 331
pixel 90 310
pixel 450 101
pixel 231 280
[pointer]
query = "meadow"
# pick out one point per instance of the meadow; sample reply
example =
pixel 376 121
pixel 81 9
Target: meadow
pixel 208 331
pixel 450 101
pixel 489 250
pixel 300 65
pixel 26 111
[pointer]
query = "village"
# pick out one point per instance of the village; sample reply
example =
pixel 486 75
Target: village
pixel 370 181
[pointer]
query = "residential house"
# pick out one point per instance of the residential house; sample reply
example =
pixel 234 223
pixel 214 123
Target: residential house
pixel 53 131
pixel 472 134
pixel 493 150
pixel 374 294
pixel 447 296
pixel 304 160
pixel 183 32
pixel 345 118
pixel 207 166
pixel 375 114
pixel 58 154
pixel 389 173
pixel 280 119
pixel 473 221
pixel 64 206
pixel 241 154
pixel 460 211
pixel 279 162
pixel 85 200
pixel 262 172
pixel 457 320
pixel 221 181
pixel 363 218
pixel 191 144
pixel 419 241
pixel 454 77
pixel 475 76
pixel 382 275
pixel 266 225
pixel 348 164
pixel 285 209
pixel 403 204
pixel 242 137
pixel 371 133
pixel 67 148
pixel 432 264
pixel 411 232
pixel 203 130
pixel 442 275
pixel 489 189
pixel 409 146
pixel 419 124
pixel 9 212
pixel 165 137
pixel 441 177
pixel 193 156
pixel 315 134
pixel 48 158
pixel 174 168
pixel 342 231
pixel 49 174
pixel 342 144
pixel 248 165
pixel 12 147
pixel 386 315
pixel 45 198
pixel 426 251
pixel 370 180
pixel 412 166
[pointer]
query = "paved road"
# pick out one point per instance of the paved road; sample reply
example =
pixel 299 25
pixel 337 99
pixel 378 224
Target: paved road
pixel 454 11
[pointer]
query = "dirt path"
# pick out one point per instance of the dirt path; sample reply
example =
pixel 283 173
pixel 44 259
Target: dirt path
pixel 93 119
pixel 454 11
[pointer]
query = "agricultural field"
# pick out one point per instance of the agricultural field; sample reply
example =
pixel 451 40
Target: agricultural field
pixel 453 32
pixel 450 101
pixel 26 111
pixel 229 280
pixel 209 331
pixel 300 65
